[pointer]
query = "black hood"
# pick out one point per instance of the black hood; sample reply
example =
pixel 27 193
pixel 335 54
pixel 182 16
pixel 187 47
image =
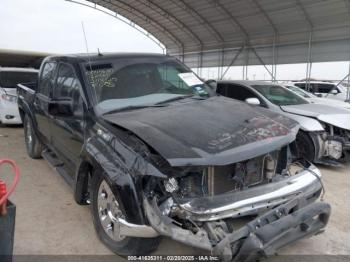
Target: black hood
pixel 215 131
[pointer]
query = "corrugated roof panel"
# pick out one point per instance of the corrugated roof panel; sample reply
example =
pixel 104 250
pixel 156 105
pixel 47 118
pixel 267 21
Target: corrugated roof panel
pixel 209 26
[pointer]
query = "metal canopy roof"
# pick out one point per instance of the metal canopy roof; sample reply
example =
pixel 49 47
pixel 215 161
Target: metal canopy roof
pixel 213 32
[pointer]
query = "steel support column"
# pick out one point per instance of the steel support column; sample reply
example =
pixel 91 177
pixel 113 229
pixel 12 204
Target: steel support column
pixel 262 62
pixel 232 62
pixel 309 63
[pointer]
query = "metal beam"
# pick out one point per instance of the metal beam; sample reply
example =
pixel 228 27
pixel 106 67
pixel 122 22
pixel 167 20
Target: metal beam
pixel 132 11
pixel 232 62
pixel 266 16
pixel 233 19
pixel 115 15
pixel 164 13
pixel 262 62
pixel 305 14
pixel 309 63
pixel 190 10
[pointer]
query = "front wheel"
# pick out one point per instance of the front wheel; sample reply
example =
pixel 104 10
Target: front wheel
pixel 33 145
pixel 105 211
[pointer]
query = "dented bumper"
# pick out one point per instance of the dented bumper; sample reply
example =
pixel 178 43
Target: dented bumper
pixel 260 237
pixel 293 215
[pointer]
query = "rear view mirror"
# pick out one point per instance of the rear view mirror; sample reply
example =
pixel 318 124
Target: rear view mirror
pixel 253 101
pixel 318 95
pixel 334 92
pixel 61 107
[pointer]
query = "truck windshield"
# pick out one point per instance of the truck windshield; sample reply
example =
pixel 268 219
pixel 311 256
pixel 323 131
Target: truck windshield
pixel 133 83
pixel 10 79
pixel 279 95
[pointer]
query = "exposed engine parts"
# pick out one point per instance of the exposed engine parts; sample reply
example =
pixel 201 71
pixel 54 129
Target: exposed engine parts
pixel 215 180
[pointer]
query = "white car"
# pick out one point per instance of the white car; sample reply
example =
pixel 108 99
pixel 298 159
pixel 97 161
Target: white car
pixel 325 89
pixel 317 100
pixel 9 78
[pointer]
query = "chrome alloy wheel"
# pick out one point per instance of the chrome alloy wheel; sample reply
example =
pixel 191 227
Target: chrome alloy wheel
pixel 109 211
pixel 29 134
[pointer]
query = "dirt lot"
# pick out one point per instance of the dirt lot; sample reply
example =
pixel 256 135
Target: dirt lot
pixel 50 222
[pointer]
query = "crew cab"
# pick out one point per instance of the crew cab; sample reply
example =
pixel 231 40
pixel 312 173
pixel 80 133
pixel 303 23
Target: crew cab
pixel 9 78
pixel 157 153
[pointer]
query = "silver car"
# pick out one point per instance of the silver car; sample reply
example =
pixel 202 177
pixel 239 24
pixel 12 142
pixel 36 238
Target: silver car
pixel 324 135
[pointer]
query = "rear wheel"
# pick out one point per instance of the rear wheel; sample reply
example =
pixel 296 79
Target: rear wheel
pixel 33 145
pixel 105 211
pixel 306 148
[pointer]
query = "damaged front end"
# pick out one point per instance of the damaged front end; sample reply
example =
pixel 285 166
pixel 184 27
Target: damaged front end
pixel 332 146
pixel 199 206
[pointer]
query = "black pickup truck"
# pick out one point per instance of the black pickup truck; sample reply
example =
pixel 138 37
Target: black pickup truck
pixel 157 153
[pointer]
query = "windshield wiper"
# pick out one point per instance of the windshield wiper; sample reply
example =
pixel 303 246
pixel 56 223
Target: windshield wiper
pixel 173 99
pixel 192 96
pixel 131 108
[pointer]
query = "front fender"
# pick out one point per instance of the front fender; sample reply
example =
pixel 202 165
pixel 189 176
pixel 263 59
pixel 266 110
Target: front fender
pixel 113 166
pixel 307 124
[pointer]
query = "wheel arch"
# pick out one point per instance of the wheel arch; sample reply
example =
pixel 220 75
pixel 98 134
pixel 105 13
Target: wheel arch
pixel 96 157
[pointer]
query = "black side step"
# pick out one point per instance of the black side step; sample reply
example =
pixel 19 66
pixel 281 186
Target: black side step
pixel 57 164
pixel 50 157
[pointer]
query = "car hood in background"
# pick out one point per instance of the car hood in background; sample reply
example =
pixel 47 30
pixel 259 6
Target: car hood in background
pixel 332 115
pixel 10 91
pixel 216 131
pixel 329 102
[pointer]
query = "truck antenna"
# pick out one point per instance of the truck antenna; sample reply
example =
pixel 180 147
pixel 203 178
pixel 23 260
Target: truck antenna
pixel 89 58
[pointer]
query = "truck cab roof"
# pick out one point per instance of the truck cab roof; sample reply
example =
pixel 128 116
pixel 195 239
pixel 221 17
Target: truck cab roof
pixel 85 57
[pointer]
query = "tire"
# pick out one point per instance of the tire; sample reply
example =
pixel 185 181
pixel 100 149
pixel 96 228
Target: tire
pixel 33 145
pixel 120 245
pixel 305 145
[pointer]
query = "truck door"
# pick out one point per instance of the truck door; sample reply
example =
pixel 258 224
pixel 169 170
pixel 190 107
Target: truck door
pixel 42 99
pixel 68 132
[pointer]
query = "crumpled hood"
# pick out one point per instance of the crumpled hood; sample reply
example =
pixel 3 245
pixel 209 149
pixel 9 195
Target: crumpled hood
pixel 216 131
pixel 332 115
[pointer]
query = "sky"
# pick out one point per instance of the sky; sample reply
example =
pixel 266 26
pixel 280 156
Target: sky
pixel 55 26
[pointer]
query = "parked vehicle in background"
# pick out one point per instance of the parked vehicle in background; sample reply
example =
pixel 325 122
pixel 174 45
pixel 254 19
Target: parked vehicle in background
pixel 157 153
pixel 315 99
pixel 325 130
pixel 9 78
pixel 325 89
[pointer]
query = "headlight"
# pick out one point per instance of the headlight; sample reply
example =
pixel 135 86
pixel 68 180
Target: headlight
pixel 9 98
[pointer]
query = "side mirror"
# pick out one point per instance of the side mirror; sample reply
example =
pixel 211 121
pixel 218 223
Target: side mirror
pixel 61 107
pixel 319 95
pixel 334 92
pixel 212 84
pixel 253 101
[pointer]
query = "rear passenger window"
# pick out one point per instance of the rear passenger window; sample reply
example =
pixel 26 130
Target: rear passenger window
pixel 46 78
pixel 236 92
pixel 325 88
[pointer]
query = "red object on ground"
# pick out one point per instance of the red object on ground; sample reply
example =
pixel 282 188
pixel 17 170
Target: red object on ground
pixel 4 194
